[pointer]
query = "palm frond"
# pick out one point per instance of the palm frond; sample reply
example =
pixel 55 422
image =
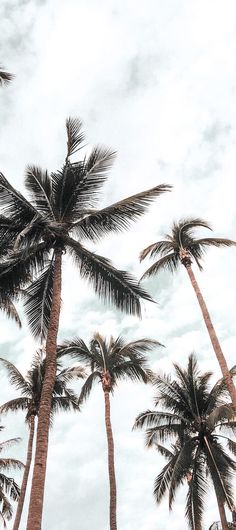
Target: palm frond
pixel 10 463
pixel 39 301
pixel 137 347
pixel 15 377
pixel 70 374
pixel 21 403
pixel 87 386
pixel 7 306
pixel 159 248
pixel 164 451
pixel 5 77
pixel 64 404
pixel 14 203
pixel 197 490
pixel 114 286
pixel 154 418
pixel 38 183
pixel 9 443
pixel 75 136
pixel 77 349
pixel 119 216
pixel 10 487
pixel 162 481
pixel 214 242
pixel 219 414
pixel 169 262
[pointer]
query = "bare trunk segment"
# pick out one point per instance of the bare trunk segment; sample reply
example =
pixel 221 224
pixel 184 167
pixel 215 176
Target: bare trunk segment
pixel 111 464
pixel 20 504
pixel 222 514
pixel 38 482
pixel 214 339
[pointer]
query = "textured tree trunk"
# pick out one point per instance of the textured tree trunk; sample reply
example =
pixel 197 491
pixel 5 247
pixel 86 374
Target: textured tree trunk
pixel 25 476
pixel 214 340
pixel 111 464
pixel 39 474
pixel 222 514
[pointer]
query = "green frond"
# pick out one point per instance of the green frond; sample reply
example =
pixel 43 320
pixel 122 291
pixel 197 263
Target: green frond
pixel 162 481
pixel 214 242
pixel 219 415
pixel 164 451
pixel 114 286
pixel 14 204
pixel 77 349
pixel 64 404
pixel 70 374
pixel 119 216
pixel 153 418
pixel 197 490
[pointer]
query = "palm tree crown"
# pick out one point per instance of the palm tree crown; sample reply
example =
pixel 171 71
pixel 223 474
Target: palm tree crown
pixel 9 489
pixel 181 247
pixel 111 360
pixel 59 216
pixel 30 386
pixel 197 420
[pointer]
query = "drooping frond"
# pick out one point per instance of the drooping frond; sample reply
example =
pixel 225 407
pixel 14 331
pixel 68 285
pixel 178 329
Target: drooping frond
pixel 219 415
pixel 77 349
pixel 153 418
pixel 164 451
pixel 70 374
pixel 136 347
pixel 87 386
pixel 133 370
pixel 115 286
pixel 14 204
pixel 222 470
pixel 169 262
pixel 162 481
pixel 9 443
pixel 75 136
pixel 64 404
pixel 118 216
pixel 10 487
pixel 21 403
pixel 197 490
pixel 181 467
pixel 7 306
pixel 214 242
pixel 5 77
pixel 39 301
pixel 39 185
pixel 10 463
pixel 160 248
pixel 15 377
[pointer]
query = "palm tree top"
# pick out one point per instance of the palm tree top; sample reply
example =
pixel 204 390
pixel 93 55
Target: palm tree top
pixel 197 421
pixel 181 246
pixel 30 386
pixel 60 214
pixel 111 360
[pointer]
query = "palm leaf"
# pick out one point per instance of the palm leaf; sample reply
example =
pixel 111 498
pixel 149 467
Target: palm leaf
pixel 170 262
pixel 5 77
pixel 39 301
pixel 39 185
pixel 115 286
pixel 159 248
pixel 195 501
pixel 162 481
pixel 77 349
pixel 87 386
pixel 118 216
pixel 15 377
pixel 21 403
pixel 7 306
pixel 75 136
pixel 14 203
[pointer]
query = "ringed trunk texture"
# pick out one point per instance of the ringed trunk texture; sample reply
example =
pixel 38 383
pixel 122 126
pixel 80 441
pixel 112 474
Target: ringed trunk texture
pixel 111 464
pixel 39 474
pixel 214 339
pixel 20 504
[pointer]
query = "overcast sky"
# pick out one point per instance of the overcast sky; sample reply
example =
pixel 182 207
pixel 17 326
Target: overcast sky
pixel 155 81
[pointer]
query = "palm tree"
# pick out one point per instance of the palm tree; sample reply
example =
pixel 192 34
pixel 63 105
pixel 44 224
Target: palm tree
pixel 9 490
pixel 182 247
pixel 5 77
pixel 30 386
pixel 109 362
pixel 197 420
pixel 58 217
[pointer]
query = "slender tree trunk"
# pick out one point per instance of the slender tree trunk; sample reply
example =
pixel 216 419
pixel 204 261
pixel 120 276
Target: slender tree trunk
pixel 25 476
pixel 222 514
pixel 214 340
pixel 39 474
pixel 111 464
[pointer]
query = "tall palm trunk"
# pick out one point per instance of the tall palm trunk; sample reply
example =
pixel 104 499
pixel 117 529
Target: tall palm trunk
pixel 111 464
pixel 222 513
pixel 214 340
pixel 39 474
pixel 25 476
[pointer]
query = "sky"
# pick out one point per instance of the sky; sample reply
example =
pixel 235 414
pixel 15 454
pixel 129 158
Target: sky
pixel 156 82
